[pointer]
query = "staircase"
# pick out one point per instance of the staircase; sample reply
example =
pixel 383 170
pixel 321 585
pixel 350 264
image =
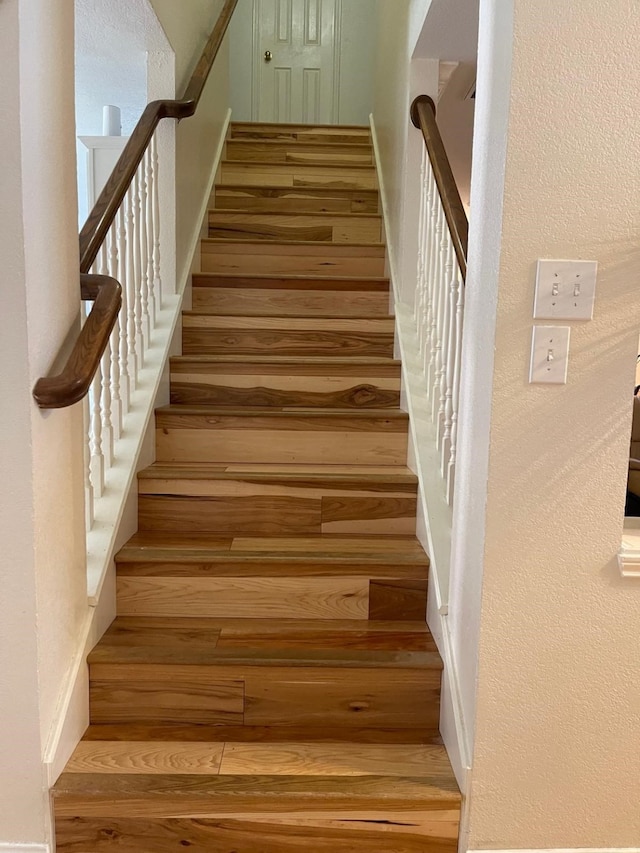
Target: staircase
pixel 270 684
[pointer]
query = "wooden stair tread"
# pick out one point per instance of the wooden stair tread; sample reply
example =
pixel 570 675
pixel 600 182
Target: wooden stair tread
pixel 290 360
pixel 198 641
pixel 254 320
pixel 302 143
pixel 257 214
pixel 337 474
pixel 172 732
pixel 270 164
pixel 229 758
pixel 148 795
pixel 272 247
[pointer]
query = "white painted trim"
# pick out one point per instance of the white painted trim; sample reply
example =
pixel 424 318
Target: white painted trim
pixel 10 847
pixel 434 514
pixel 629 554
pixel 564 850
pixel 204 208
pixel 337 60
pixel 256 65
pixel 384 204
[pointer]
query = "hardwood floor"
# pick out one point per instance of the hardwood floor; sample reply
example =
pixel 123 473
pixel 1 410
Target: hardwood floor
pixel 270 684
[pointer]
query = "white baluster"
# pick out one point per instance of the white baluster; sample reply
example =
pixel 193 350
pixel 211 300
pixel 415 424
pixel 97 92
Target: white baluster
pixel 449 351
pixel 95 435
pixel 432 298
pixel 419 305
pixel 457 368
pixel 132 336
pixel 155 187
pixel 116 400
pixel 106 428
pixel 435 361
pixel 145 257
pixel 123 343
pixel 151 228
pixel 88 487
pixel 134 237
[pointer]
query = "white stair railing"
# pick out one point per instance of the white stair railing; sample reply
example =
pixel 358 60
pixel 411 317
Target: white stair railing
pixel 439 298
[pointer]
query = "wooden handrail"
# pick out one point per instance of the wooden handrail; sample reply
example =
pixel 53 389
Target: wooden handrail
pixel 423 116
pixel 106 207
pixel 74 381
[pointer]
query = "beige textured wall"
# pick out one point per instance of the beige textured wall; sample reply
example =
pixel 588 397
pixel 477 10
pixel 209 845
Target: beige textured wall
pixel 455 120
pixel 197 137
pixel 556 760
pixel 43 600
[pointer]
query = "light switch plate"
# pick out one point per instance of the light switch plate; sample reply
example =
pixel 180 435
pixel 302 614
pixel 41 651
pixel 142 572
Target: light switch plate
pixel 565 290
pixel 549 354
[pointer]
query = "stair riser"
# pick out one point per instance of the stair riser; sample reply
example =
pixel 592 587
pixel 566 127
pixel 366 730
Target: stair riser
pixel 205 340
pixel 308 134
pixel 247 258
pixel 359 832
pixel 265 511
pixel 268 301
pixel 273 151
pixel 265 696
pixel 295 199
pixel 273 227
pixel 273 598
pixel 195 384
pixel 293 175
pixel 188 439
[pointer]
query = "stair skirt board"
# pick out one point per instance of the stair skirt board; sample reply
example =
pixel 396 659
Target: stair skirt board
pixel 270 683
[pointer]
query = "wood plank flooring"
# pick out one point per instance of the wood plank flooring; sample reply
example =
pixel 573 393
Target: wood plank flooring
pixel 270 684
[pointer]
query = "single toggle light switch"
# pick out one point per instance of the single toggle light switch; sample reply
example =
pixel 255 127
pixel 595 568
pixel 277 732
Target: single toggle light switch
pixel 550 354
pixel 565 290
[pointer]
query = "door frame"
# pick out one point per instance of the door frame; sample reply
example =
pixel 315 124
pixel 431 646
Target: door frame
pixel 256 64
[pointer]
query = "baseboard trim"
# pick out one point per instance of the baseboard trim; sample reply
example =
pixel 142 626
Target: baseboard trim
pixel 562 850
pixel 185 275
pixel 384 204
pixel 10 847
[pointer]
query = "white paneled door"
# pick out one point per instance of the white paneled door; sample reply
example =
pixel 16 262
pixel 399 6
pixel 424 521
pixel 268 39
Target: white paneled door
pixel 296 63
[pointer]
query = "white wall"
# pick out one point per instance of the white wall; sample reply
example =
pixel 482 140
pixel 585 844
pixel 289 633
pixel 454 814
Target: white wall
pixel 555 760
pixel 455 114
pixel 397 82
pixel 43 603
pixel 197 138
pixel 112 39
pixel 358 34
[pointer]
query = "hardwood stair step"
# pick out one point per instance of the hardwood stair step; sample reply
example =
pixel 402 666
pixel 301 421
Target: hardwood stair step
pixel 304 226
pixel 182 498
pixel 311 436
pixel 277 811
pixel 295 199
pixel 282 257
pixel 285 381
pixel 211 334
pixel 174 732
pixel 308 295
pixel 353 177
pixel 358 134
pixel 199 554
pixel 172 670
pixel 284 151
